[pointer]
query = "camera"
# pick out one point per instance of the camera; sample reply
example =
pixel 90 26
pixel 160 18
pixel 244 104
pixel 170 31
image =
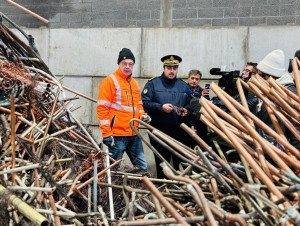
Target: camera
pixel 290 68
pixel 228 79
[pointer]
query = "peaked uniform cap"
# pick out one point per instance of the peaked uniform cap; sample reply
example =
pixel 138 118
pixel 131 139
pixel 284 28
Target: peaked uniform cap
pixel 171 60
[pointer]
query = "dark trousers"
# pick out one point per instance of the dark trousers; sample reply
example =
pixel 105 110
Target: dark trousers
pixel 176 134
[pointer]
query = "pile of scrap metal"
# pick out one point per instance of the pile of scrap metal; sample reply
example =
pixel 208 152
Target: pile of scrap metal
pixel 47 156
pixel 261 186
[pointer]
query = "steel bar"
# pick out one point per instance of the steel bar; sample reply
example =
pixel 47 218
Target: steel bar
pixel 54 134
pixel 204 204
pixel 256 143
pixel 73 91
pixel 27 11
pixel 110 193
pixel 260 173
pixel 279 113
pixel 252 131
pixel 13 134
pixel 296 75
pixel 3 109
pixel 42 145
pixel 53 207
pixel 260 124
pixel 95 189
pixel 49 77
pixel 146 142
pixel 30 188
pixel 24 208
pixel 163 201
pixel 14 170
pixel 156 134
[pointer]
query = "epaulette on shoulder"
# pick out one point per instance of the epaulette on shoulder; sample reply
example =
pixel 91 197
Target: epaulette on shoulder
pixel 152 79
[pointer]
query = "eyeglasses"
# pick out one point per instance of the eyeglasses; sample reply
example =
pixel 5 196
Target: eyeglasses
pixel 127 64
pixel 247 70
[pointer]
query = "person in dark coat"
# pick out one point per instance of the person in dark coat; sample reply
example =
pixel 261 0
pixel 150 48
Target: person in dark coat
pixel 274 65
pixel 165 101
pixel 195 92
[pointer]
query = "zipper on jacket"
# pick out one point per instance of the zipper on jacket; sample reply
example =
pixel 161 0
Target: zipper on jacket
pixel 132 101
pixel 127 98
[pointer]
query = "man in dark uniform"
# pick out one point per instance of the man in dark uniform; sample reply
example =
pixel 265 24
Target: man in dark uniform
pixel 162 97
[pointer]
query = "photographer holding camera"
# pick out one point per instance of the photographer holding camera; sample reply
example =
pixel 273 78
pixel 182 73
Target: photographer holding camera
pixel 228 83
pixel 248 71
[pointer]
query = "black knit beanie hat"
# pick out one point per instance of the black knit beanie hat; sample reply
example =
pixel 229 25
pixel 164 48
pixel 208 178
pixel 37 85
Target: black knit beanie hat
pixel 125 54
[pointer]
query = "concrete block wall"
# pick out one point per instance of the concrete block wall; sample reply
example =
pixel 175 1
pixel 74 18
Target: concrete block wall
pixel 154 13
pixel 85 56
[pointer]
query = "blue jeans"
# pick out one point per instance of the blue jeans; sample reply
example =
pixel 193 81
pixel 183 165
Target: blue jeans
pixel 134 149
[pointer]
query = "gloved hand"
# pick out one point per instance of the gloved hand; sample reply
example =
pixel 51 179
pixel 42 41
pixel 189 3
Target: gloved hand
pixel 109 141
pixel 146 118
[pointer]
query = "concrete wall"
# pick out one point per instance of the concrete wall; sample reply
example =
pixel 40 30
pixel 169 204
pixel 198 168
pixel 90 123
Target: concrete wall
pixel 93 52
pixel 157 13
pixel 85 56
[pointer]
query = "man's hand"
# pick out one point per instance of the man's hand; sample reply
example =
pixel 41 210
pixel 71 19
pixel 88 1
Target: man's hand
pixel 205 92
pixel 184 112
pixel 146 118
pixel 167 108
pixel 109 141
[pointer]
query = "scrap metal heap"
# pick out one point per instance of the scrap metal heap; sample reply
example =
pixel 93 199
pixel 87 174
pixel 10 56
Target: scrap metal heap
pixel 49 159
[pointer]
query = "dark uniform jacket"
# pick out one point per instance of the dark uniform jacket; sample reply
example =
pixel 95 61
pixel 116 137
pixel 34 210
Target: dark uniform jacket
pixel 159 91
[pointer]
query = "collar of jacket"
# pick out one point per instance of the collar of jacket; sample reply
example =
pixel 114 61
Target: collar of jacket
pixel 166 80
pixel 197 89
pixel 122 75
pixel 285 79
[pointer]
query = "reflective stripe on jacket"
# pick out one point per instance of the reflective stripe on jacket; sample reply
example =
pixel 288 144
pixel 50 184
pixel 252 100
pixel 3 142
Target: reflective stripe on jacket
pixel 119 96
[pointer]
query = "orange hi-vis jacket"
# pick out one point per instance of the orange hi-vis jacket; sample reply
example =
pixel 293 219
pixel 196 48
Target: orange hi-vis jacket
pixel 119 96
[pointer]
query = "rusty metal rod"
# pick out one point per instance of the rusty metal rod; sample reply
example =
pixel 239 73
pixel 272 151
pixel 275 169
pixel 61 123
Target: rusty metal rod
pixel 174 152
pixel 260 173
pixel 292 102
pixel 231 104
pixel 215 173
pixel 258 147
pixel 42 145
pixel 167 221
pixel 13 134
pixel 3 109
pixel 28 11
pixel 204 204
pixel 262 125
pixel 296 77
pixel 164 202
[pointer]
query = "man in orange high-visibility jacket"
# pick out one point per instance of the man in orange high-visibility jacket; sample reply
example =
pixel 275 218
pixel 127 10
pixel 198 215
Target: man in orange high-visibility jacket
pixel 119 101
